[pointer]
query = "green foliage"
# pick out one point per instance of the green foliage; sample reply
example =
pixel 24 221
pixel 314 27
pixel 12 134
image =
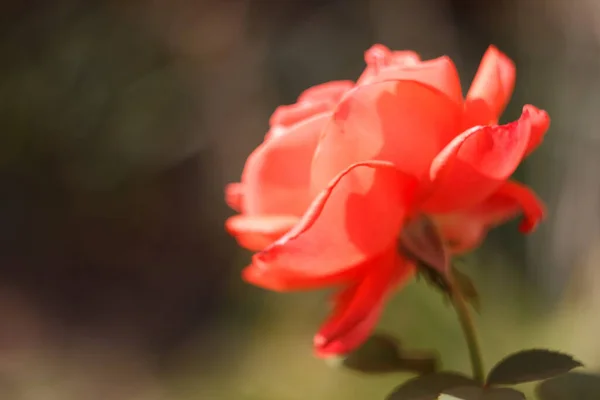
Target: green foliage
pixel 383 354
pixel 573 385
pixel 478 393
pixel 531 365
pixel 429 387
pixel 521 367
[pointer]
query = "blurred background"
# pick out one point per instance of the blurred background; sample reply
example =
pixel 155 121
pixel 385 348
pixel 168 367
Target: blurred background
pixel 122 121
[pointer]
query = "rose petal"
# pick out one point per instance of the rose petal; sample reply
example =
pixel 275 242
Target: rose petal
pixel 540 122
pixel 493 83
pixel 358 216
pixel 359 306
pixel 405 57
pixel 257 232
pixel 276 177
pixel 476 164
pixel 532 207
pixel 403 122
pixel 234 196
pixel 314 100
pixel 478 112
pixel 289 115
pixel 379 56
pixel 440 73
pixel 466 229
pixel 330 91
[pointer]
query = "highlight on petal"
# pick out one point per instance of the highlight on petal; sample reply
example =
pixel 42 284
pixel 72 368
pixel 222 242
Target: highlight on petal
pixel 404 122
pixel 358 216
pixel 358 307
pixel 439 73
pixel 234 196
pixel 464 230
pixel 276 177
pixel 476 164
pixel 258 232
pixel 493 83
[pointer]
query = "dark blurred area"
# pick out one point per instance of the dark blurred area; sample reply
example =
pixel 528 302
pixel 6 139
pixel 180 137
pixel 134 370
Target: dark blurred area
pixel 121 124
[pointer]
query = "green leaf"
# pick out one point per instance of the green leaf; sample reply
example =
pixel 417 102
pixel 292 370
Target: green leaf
pixel 429 387
pixel 573 385
pixel 531 365
pixel 478 393
pixel 382 354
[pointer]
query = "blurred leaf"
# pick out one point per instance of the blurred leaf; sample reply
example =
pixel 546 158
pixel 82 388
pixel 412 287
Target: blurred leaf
pixel 444 396
pixel 382 354
pixel 531 365
pixel 478 393
pixel 429 387
pixel 574 385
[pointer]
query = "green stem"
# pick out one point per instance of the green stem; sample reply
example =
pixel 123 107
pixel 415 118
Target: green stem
pixel 468 328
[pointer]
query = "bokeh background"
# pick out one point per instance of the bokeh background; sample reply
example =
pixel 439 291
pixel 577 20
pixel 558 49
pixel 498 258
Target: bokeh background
pixel 122 121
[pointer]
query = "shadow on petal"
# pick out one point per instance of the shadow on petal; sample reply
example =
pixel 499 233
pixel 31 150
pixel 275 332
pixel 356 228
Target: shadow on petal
pixel 356 218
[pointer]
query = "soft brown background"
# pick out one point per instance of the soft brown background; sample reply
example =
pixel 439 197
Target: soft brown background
pixel 120 124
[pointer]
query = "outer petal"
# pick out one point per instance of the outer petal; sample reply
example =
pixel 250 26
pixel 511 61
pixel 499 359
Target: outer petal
pixel 440 73
pixel 276 177
pixel 532 207
pixel 405 57
pixel 257 232
pixel 234 196
pixel 404 122
pixel 540 122
pixel 476 164
pixel 359 306
pixel 289 115
pixel 314 100
pixel 466 229
pixel 330 91
pixel 357 217
pixel 491 89
pixel 379 56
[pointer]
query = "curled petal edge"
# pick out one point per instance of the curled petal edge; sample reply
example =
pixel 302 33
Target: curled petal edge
pixel 477 162
pixel 358 307
pixel 255 233
pixel 269 271
pixel 234 196
pixel 533 208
